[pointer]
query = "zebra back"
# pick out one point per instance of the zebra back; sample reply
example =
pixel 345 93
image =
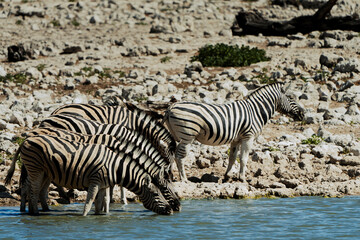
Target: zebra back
pixel 158 137
pixel 134 119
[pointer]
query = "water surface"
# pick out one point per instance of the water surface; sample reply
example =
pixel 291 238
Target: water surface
pixel 287 218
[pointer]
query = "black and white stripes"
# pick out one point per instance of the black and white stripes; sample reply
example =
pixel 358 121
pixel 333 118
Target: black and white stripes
pixel 88 166
pixel 236 123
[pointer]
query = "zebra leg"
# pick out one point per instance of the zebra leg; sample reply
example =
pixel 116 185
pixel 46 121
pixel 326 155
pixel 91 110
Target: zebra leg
pixel 25 192
pixel 93 189
pixel 35 187
pixel 180 154
pixel 106 200
pixel 100 200
pixel 111 192
pixel 234 148
pixel 43 195
pixel 246 146
pixel 123 196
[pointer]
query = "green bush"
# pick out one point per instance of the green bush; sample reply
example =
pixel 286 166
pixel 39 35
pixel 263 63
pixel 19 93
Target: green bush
pixel 223 55
pixel 16 78
pixel 314 139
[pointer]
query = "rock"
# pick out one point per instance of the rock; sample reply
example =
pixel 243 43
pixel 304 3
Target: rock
pixel 355 149
pixel 8 147
pixel 323 107
pixel 342 140
pixel 2 124
pixel 323 150
pixel 329 59
pixel 2 72
pixel 158 29
pixel 353 109
pixel 290 183
pixel 277 185
pixel 34 73
pixel 91 80
pixel 18 53
pixel 305 161
pixel 96 19
pixel 203 163
pixel 16 118
pixel 346 85
pixel 310 118
pixel 29 11
pixel 193 67
pixel 333 170
pixel 43 95
pixel 350 161
pixel 69 84
pixel 348 66
pixel 71 50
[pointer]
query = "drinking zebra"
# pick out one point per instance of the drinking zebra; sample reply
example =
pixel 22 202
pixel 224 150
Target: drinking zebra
pixel 156 166
pixel 237 123
pixel 94 167
pixel 118 113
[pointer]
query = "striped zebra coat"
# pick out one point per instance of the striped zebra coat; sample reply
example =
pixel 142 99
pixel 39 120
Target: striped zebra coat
pixel 157 165
pixel 237 123
pixel 134 119
pixel 94 167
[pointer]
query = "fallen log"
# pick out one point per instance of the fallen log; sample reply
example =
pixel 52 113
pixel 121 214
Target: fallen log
pixel 252 23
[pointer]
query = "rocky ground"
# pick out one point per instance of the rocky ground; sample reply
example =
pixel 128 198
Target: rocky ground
pixel 86 51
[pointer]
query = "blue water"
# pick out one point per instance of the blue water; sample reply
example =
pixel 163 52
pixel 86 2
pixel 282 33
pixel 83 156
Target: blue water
pixel 285 218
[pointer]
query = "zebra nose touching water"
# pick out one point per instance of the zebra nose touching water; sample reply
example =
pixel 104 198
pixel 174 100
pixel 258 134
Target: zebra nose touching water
pixel 146 146
pixel 237 123
pixel 94 167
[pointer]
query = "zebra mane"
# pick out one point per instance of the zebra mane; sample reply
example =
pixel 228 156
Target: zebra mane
pixel 266 88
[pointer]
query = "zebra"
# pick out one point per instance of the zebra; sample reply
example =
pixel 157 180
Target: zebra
pixel 237 123
pixel 134 119
pixel 116 144
pixel 94 167
pixel 119 113
pixel 159 138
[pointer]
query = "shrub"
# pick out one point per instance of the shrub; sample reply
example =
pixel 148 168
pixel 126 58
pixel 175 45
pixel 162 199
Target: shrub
pixel 314 139
pixel 165 59
pixel 16 78
pixel 223 55
pixel 40 67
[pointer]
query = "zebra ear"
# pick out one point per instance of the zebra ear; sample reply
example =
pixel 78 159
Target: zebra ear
pixel 286 87
pixel 147 180
pixel 161 173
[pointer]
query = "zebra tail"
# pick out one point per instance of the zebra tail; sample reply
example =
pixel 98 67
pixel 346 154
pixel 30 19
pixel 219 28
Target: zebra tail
pixel 11 170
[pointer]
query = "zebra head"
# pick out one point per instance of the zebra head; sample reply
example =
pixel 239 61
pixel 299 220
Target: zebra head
pixel 153 199
pixel 290 107
pixel 167 189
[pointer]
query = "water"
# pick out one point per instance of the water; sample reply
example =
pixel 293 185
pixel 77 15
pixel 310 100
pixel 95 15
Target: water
pixel 288 218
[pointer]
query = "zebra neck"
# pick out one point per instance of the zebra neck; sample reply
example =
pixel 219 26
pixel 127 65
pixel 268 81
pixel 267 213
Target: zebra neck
pixel 262 106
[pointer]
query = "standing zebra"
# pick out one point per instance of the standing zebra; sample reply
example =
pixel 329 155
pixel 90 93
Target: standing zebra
pixel 237 123
pixel 126 141
pixel 92 166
